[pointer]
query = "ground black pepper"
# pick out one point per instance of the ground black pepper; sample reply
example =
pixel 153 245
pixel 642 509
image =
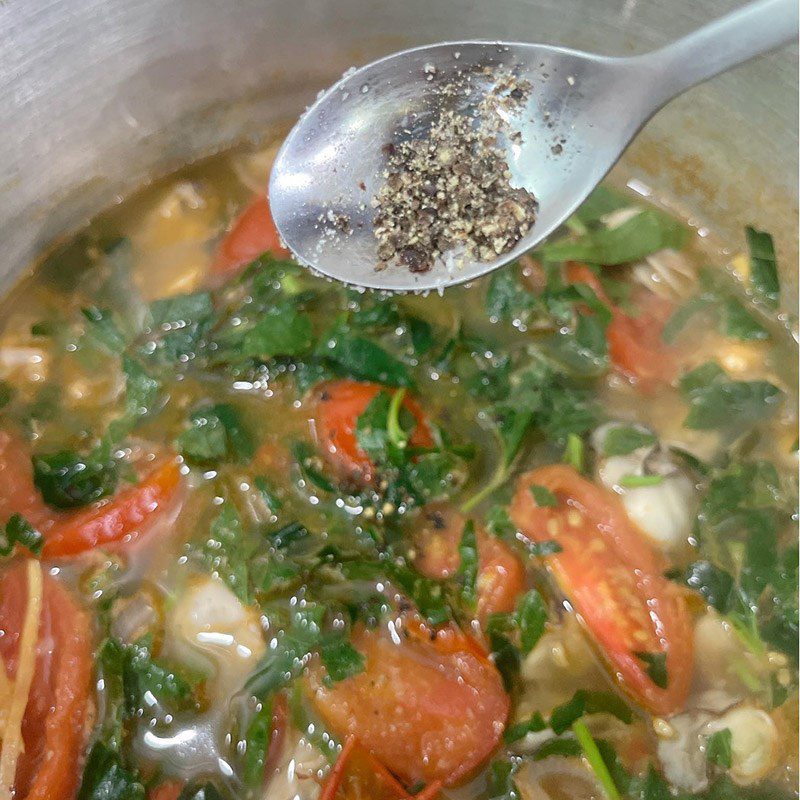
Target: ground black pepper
pixel 447 195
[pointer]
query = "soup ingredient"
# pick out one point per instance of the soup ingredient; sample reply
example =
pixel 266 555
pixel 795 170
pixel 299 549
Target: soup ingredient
pixel 613 579
pixel 121 520
pixel 657 495
pixel 253 233
pixel 500 577
pixel 212 631
pixel 448 194
pixel 635 343
pixel 345 434
pixel 429 704
pixel 44 629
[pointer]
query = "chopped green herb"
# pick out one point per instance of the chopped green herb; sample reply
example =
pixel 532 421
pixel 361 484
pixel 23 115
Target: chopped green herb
pixel 356 357
pixel 280 331
pixel 622 440
pixel 739 323
pixel 341 659
pixel 719 749
pixel 224 551
pixel 763 266
pixel 467 574
pixel 103 331
pixel 520 730
pixel 543 497
pixel 68 480
pixel 18 532
pixel 636 481
pixel 257 738
pixel 531 618
pixel 217 433
pixel 716 401
pixel 589 702
pixel 641 235
pixel 656 667
pixel 574 452
pixel 105 777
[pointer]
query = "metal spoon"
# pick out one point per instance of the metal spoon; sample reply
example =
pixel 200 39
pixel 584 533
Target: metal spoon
pixel 582 113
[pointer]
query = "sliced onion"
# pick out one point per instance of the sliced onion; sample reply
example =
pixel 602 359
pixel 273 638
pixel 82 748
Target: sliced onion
pixel 556 778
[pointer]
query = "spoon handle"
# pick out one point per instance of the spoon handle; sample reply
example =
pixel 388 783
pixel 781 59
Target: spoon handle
pixel 726 42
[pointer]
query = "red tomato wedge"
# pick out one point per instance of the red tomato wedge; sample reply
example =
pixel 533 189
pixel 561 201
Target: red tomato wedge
pixel 613 579
pixel 356 775
pixel 54 727
pixel 121 519
pixel 338 405
pixel 501 575
pixel 253 233
pixel 430 706
pixel 170 790
pixel 635 343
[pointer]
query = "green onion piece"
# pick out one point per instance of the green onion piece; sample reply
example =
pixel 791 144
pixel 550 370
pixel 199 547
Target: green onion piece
pixel 595 760
pixel 573 452
pixel 634 481
pixel 397 436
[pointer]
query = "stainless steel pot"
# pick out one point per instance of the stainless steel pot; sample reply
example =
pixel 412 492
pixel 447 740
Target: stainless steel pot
pixel 97 96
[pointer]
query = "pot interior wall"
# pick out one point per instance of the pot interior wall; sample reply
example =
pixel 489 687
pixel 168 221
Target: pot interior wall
pixel 98 96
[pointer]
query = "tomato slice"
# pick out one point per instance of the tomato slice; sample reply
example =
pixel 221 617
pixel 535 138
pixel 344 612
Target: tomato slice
pixel 253 233
pixel 429 705
pixel 635 343
pixel 121 519
pixel 338 405
pixel 169 790
pixel 501 575
pixel 613 579
pixel 356 775
pixel 55 726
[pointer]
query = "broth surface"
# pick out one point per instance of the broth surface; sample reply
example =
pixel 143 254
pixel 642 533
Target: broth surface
pixel 268 537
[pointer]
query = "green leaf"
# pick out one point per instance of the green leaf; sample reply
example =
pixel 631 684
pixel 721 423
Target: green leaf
pixel 309 464
pixel 179 324
pixel 739 323
pixel 505 655
pixel 643 234
pixel 542 496
pixel 763 266
pixel 637 481
pixel 181 310
pixel 601 202
pixel 566 748
pixel 217 433
pixel 356 357
pixel 105 778
pixel 680 317
pixel 224 553
pixel 622 440
pixel 341 659
pixel 499 523
pixel 716 401
pixel 574 452
pixel 714 584
pixel 18 532
pixel 501 781
pixel 206 791
pixel 281 331
pixel 103 331
pixel 506 299
pixel 372 435
pixel 719 749
pixel 589 702
pixel 467 573
pixel 427 595
pixel 520 730
pixel 531 618
pixel 421 335
pixel 145 678
pixel 656 667
pixel 69 480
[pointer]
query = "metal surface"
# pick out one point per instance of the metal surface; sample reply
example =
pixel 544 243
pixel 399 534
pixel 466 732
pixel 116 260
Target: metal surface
pixel 98 96
pixel 589 106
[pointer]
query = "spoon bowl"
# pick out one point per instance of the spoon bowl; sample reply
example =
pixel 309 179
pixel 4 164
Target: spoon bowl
pixel 581 112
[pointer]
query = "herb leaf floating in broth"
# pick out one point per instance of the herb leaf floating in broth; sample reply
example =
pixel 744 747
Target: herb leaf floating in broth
pixel 335 574
pixel 716 401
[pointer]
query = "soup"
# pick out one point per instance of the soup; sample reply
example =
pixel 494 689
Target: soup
pixel 266 536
